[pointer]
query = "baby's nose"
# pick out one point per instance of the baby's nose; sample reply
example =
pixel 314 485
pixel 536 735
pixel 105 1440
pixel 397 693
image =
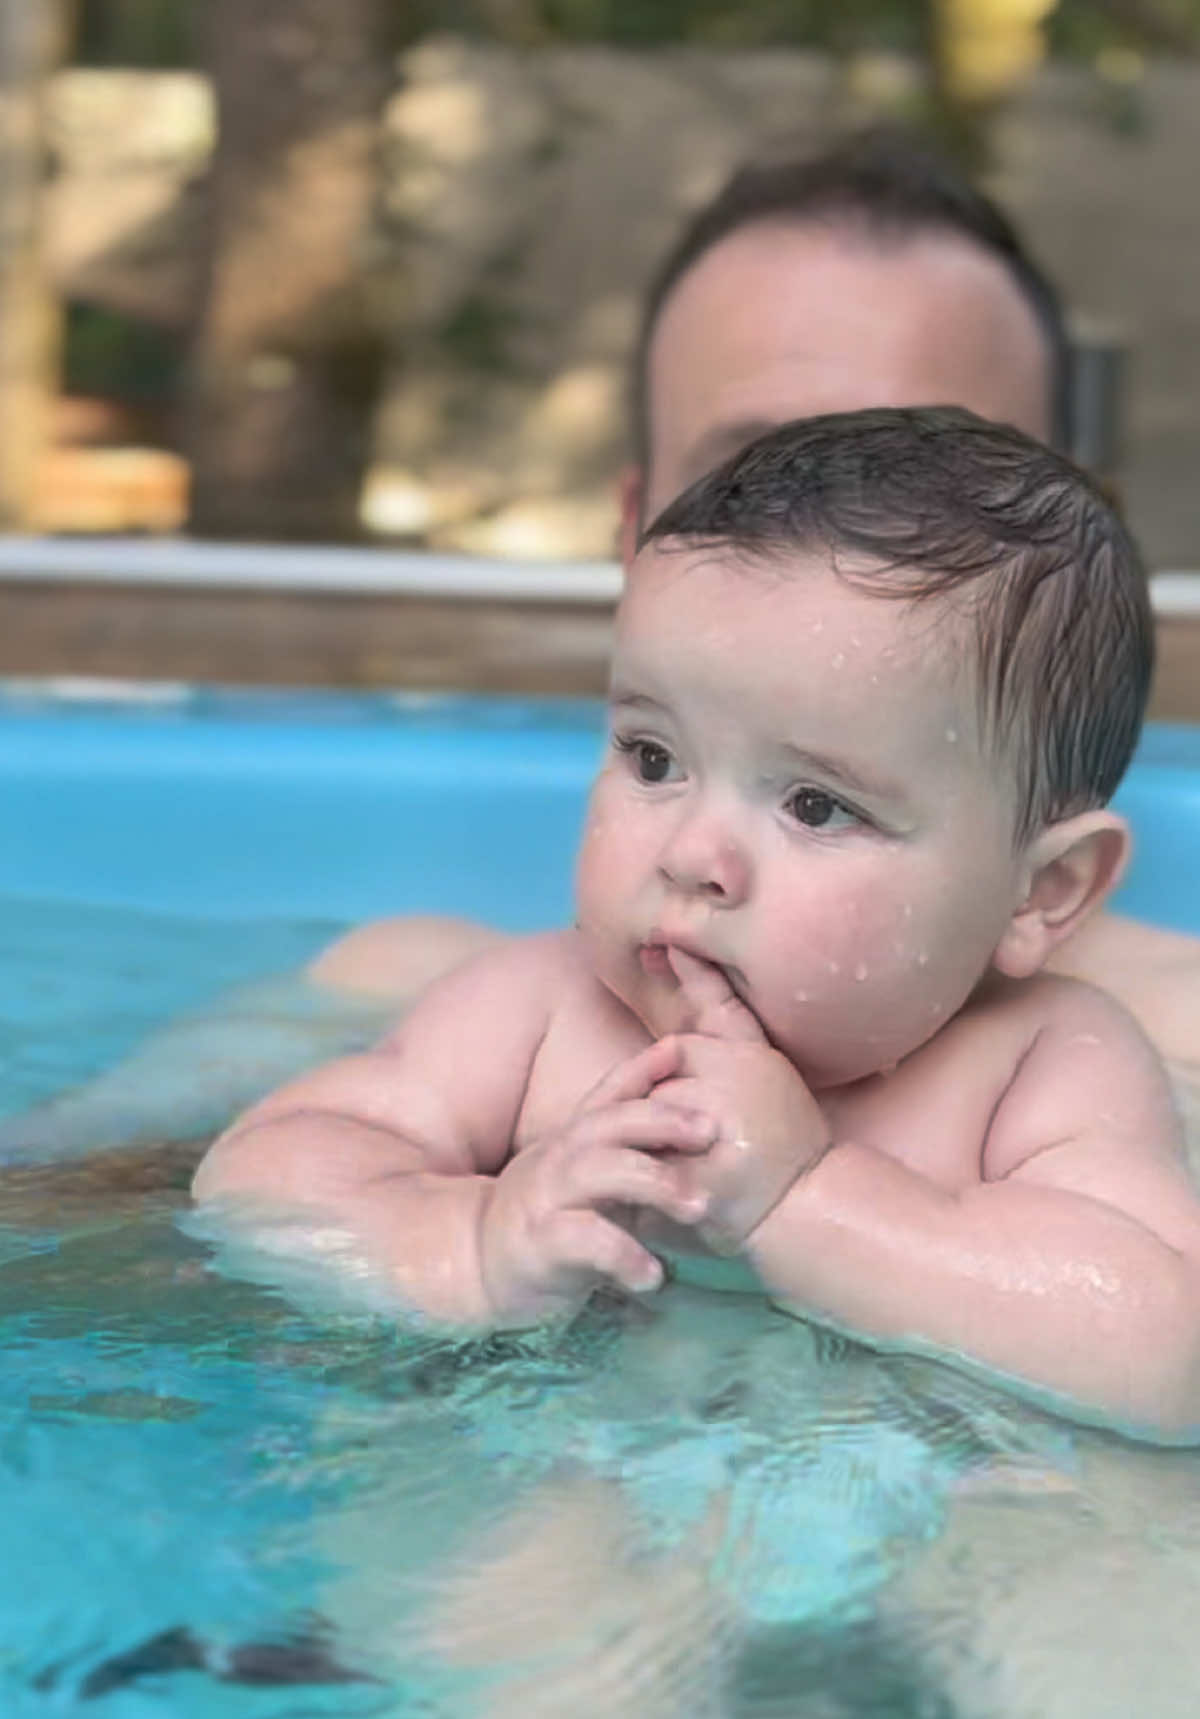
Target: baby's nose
pixel 704 857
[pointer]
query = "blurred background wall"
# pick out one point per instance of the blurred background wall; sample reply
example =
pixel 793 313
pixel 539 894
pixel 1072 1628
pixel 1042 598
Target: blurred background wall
pixel 349 271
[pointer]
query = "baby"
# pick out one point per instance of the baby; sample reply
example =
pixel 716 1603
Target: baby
pixel 874 682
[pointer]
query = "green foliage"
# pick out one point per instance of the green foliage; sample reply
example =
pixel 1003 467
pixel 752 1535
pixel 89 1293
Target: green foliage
pixel 477 334
pixel 156 33
pixel 114 357
pixel 1086 29
pixel 164 32
pixel 836 24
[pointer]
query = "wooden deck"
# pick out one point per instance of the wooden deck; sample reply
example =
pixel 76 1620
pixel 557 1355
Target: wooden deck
pixel 261 638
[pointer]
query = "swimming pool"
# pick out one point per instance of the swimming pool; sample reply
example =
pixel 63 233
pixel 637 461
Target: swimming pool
pixel 250 805
pixel 208 1486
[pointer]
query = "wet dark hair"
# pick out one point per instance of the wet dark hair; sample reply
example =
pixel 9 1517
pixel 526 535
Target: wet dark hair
pixel 934 502
pixel 890 184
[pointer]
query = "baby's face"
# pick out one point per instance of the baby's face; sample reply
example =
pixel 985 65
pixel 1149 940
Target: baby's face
pixel 796 790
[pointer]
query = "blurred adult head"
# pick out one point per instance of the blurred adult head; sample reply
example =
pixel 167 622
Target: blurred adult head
pixel 874 274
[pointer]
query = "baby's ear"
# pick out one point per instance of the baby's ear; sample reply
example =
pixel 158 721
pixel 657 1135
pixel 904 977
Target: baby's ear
pixel 1072 867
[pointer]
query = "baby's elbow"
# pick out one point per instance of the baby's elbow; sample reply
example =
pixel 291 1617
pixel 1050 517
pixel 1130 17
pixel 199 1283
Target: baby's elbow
pixel 238 1163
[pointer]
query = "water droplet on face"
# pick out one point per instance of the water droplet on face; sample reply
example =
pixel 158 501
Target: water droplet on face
pixel 838 659
pixel 952 735
pixel 833 966
pixel 800 996
pixel 906 912
pixel 922 958
pixel 861 972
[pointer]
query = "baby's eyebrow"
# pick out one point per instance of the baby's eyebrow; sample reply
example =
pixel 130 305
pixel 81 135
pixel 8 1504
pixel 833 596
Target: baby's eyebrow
pixel 630 700
pixel 842 773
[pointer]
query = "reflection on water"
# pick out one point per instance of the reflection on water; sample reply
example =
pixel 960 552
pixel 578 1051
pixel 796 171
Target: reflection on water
pixel 218 1503
pixel 184 1459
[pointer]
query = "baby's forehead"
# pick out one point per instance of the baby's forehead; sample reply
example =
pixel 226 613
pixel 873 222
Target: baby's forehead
pixel 795 617
pixel 896 602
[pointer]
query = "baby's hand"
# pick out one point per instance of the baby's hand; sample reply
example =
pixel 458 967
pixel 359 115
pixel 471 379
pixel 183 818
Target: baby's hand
pixel 552 1230
pixel 769 1127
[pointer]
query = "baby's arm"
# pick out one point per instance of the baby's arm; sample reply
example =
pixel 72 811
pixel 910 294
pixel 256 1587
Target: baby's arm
pixel 406 1152
pixel 1073 1263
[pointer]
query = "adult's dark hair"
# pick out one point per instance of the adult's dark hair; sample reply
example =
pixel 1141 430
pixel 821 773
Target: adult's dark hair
pixel 887 182
pixel 933 502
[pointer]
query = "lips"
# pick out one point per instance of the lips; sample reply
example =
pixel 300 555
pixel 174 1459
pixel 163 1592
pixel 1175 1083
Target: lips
pixel 654 958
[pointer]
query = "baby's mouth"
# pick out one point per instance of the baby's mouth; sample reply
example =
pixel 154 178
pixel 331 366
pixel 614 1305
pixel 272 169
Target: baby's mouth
pixel 654 957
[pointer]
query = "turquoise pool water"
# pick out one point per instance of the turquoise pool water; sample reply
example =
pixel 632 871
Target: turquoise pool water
pixel 222 1499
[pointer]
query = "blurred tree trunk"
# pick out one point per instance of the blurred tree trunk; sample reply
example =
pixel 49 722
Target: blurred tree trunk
pixel 33 36
pixel 285 368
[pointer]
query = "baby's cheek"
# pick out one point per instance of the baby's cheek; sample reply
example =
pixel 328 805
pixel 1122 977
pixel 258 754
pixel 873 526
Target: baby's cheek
pixel 599 846
pixel 866 940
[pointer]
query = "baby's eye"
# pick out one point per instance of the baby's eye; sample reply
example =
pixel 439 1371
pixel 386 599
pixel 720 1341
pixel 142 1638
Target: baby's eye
pixel 652 762
pixel 817 810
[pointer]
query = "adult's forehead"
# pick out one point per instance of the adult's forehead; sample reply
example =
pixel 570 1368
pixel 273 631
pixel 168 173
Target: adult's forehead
pixel 786 319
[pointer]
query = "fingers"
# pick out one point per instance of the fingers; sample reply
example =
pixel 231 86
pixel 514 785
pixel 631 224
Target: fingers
pixel 637 1076
pixel 626 1177
pixel 588 1242
pixel 652 1124
pixel 715 1007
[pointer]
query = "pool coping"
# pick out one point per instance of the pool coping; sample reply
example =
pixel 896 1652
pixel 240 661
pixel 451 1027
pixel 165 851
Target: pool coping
pixel 310 568
pixel 368 570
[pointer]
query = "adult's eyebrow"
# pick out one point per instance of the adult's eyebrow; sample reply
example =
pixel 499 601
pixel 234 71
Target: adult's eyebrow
pixel 720 443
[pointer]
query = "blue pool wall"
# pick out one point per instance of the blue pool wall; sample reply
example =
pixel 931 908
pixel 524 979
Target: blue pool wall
pixel 348 807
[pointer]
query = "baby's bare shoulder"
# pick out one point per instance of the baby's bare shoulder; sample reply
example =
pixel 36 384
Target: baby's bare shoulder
pixel 1087 1072
pixel 515 980
pixel 1052 1005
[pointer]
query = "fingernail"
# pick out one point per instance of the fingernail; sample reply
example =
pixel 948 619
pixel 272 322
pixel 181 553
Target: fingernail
pixel 702 1127
pixel 649 1278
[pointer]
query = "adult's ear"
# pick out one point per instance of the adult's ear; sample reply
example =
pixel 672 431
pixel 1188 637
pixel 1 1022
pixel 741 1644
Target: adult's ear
pixel 631 490
pixel 1072 867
